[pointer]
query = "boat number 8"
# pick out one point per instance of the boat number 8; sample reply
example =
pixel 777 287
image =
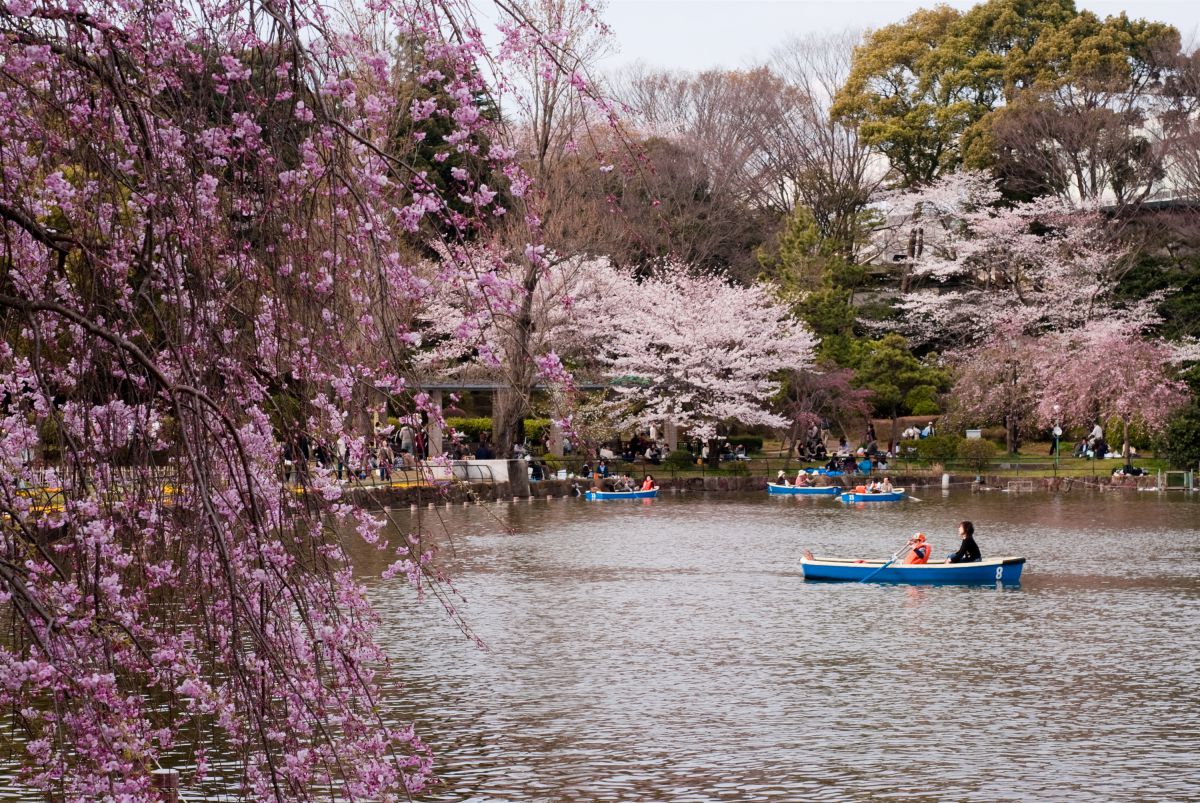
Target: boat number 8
pixel 999 572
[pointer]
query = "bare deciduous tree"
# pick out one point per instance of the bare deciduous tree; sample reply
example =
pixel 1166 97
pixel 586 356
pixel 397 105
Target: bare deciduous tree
pixel 822 163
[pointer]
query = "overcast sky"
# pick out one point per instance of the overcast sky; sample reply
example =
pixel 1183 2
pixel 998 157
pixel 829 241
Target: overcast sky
pixel 697 34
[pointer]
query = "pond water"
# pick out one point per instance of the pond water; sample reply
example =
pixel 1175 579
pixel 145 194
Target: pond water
pixel 671 651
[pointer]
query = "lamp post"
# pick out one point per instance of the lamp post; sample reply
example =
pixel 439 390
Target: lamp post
pixel 1057 434
pixel 1010 419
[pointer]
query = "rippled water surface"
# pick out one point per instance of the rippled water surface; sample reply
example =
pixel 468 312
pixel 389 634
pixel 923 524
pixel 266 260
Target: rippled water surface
pixel 671 651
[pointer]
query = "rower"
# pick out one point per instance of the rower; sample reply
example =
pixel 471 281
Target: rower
pixel 919 550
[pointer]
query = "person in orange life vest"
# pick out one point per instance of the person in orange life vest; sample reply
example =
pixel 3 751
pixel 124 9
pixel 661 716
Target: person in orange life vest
pixel 648 483
pixel 919 550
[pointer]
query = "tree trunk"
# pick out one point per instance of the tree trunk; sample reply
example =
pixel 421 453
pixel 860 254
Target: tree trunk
pixel 1125 437
pixel 508 409
pixel 512 402
pixel 714 454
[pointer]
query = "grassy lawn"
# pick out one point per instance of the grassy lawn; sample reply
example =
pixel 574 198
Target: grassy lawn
pixel 1034 460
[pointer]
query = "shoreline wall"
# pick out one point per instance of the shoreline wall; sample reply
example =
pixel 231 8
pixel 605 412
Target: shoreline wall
pixel 470 492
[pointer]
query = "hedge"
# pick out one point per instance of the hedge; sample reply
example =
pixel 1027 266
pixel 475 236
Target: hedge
pixel 471 427
pixel 679 460
pixel 935 447
pixel 978 454
pixel 535 428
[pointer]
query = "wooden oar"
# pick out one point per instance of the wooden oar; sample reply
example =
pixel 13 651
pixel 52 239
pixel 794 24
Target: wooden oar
pixel 895 558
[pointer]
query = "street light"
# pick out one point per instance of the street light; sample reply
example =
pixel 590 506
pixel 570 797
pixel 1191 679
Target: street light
pixel 1057 434
pixel 1010 419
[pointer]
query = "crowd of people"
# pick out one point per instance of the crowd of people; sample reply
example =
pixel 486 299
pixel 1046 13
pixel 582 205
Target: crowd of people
pixel 1095 446
pixel 403 447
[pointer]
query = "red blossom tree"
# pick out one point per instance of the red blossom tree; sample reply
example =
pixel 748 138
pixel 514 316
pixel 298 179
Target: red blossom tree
pixel 825 394
pixel 1102 372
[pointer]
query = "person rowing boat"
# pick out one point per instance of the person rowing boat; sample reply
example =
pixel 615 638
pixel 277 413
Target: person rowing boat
pixel 919 550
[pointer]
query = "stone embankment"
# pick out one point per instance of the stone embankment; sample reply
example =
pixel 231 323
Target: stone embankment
pixel 459 492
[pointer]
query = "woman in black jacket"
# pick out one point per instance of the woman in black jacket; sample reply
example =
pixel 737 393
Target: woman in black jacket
pixel 968 551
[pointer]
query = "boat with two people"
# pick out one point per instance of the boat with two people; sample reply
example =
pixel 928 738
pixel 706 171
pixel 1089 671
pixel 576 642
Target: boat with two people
pixel 912 565
pixel 593 495
pixel 1006 571
pixel 774 489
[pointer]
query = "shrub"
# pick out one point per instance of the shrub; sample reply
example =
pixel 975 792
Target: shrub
pixel 1181 439
pixel 995 434
pixel 679 460
pixel 977 454
pixel 753 443
pixel 739 467
pixel 536 429
pixel 938 447
pixel 470 427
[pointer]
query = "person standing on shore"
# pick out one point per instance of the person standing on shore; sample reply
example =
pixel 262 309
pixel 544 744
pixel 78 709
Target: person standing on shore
pixel 968 551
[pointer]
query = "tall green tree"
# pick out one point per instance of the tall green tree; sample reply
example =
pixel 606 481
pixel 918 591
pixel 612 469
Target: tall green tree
pixel 815 276
pixel 899 382
pixel 925 91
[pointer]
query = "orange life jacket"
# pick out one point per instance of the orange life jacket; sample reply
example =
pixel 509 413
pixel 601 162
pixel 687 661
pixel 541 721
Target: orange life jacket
pixel 919 554
pixel 647 485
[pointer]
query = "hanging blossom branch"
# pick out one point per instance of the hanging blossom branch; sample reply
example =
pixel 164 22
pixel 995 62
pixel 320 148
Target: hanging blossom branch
pixel 209 231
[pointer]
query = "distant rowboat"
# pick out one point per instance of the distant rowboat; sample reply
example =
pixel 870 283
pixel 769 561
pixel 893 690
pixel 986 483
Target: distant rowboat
pixel 593 496
pixel 984 572
pixel 855 496
pixel 802 490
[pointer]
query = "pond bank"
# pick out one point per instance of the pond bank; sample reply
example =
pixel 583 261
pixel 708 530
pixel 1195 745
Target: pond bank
pixel 470 492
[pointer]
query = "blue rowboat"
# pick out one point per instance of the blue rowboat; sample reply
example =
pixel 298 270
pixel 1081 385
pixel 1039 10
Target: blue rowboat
pixel 592 496
pixel 895 495
pixel 802 490
pixel 984 572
